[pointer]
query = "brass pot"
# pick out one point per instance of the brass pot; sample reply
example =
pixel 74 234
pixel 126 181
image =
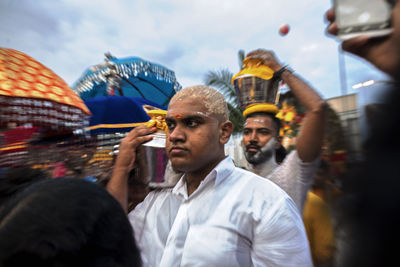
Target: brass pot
pixel 254 90
pixel 255 84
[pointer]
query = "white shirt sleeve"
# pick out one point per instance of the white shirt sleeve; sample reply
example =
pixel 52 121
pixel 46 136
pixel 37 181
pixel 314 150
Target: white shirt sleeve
pixel 295 177
pixel 280 239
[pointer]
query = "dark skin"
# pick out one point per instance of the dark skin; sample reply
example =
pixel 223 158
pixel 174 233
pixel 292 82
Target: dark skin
pixel 195 140
pixel 257 132
pixel 117 186
pixel 194 144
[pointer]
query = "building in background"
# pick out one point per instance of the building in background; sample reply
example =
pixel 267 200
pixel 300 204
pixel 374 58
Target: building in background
pixel 346 108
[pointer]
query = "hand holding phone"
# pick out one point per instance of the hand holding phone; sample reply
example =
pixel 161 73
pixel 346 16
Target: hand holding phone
pixel 362 17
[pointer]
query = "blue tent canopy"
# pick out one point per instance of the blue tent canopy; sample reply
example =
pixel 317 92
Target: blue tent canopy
pixel 131 76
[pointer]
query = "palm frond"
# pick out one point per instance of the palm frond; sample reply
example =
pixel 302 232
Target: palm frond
pixel 221 80
pixel 236 117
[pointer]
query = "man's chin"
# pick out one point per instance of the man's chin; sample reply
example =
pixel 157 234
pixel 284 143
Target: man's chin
pixel 179 165
pixel 256 158
pixel 252 158
pixel 253 161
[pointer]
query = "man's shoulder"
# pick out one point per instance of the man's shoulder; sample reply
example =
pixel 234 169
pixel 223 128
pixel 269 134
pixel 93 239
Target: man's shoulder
pixel 153 197
pixel 256 183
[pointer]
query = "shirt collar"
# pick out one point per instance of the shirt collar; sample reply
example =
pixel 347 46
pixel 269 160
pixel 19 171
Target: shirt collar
pixel 219 174
pixel 224 169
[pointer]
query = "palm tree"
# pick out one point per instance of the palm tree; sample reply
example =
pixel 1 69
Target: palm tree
pixel 221 80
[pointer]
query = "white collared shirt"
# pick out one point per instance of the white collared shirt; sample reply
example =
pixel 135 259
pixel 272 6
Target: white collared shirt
pixel 294 176
pixel 234 218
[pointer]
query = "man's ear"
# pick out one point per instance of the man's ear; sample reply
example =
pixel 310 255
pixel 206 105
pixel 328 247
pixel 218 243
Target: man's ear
pixel 225 131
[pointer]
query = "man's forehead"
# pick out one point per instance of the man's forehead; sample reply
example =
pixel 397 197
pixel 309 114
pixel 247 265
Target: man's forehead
pixel 176 114
pixel 259 121
pixel 180 113
pixel 187 107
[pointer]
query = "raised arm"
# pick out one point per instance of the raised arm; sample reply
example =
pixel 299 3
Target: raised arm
pixel 310 138
pixel 118 184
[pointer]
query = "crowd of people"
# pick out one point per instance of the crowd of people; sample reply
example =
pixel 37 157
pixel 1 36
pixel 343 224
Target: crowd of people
pixel 273 211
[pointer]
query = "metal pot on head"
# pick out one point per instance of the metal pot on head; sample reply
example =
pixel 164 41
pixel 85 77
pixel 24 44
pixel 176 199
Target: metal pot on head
pixel 256 84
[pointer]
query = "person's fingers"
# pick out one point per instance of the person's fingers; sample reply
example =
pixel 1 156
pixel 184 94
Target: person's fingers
pixel 140 131
pixel 330 15
pixel 265 55
pixel 332 28
pixel 256 53
pixel 140 140
pixel 356 45
pixel 133 143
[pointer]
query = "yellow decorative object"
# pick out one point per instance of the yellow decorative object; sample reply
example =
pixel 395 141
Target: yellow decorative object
pixel 3 75
pixel 5 85
pixel 44 80
pixel 17 145
pixel 287 113
pixel 21 75
pixel 36 94
pixel 254 67
pixel 19 92
pixel 33 64
pixel 262 107
pixel 25 76
pixel 119 125
pixel 31 70
pixel 53 97
pixel 57 90
pixel 24 85
pixel 157 119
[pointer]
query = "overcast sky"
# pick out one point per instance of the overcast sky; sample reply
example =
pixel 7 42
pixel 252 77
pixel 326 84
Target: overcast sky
pixel 189 37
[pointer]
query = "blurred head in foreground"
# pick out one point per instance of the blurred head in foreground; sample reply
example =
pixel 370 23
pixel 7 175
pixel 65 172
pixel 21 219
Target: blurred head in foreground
pixel 65 222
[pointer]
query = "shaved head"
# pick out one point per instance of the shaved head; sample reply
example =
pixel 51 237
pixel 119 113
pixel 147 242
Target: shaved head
pixel 213 100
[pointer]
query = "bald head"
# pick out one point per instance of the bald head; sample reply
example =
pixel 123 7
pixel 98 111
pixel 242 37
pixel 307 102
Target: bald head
pixel 213 100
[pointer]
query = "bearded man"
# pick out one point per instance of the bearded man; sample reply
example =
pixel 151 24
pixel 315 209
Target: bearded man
pixel 261 135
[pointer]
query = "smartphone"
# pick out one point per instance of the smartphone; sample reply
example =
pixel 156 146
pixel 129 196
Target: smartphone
pixel 363 17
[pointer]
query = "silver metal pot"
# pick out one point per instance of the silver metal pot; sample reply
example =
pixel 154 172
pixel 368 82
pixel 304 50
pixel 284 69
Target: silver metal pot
pixel 253 90
pixel 153 160
pixel 153 166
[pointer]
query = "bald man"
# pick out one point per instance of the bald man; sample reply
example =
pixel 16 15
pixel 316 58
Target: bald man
pixel 217 214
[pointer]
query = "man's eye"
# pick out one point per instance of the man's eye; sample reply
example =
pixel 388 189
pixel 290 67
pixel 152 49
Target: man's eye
pixel 246 132
pixel 170 125
pixel 192 123
pixel 264 132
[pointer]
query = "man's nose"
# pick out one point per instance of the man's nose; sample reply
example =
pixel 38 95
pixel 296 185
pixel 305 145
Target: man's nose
pixel 254 137
pixel 177 134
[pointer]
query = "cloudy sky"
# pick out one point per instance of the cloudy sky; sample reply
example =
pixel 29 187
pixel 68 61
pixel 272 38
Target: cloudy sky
pixel 189 37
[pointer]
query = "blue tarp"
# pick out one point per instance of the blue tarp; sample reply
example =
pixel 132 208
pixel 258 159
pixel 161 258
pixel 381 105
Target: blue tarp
pixel 118 110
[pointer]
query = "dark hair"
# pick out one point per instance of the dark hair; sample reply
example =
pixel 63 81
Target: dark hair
pixel 322 176
pixel 65 222
pixel 276 121
pixel 15 179
pixel 280 154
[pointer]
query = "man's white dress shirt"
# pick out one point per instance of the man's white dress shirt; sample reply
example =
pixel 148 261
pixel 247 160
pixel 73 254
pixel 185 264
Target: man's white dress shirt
pixel 234 218
pixel 294 176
